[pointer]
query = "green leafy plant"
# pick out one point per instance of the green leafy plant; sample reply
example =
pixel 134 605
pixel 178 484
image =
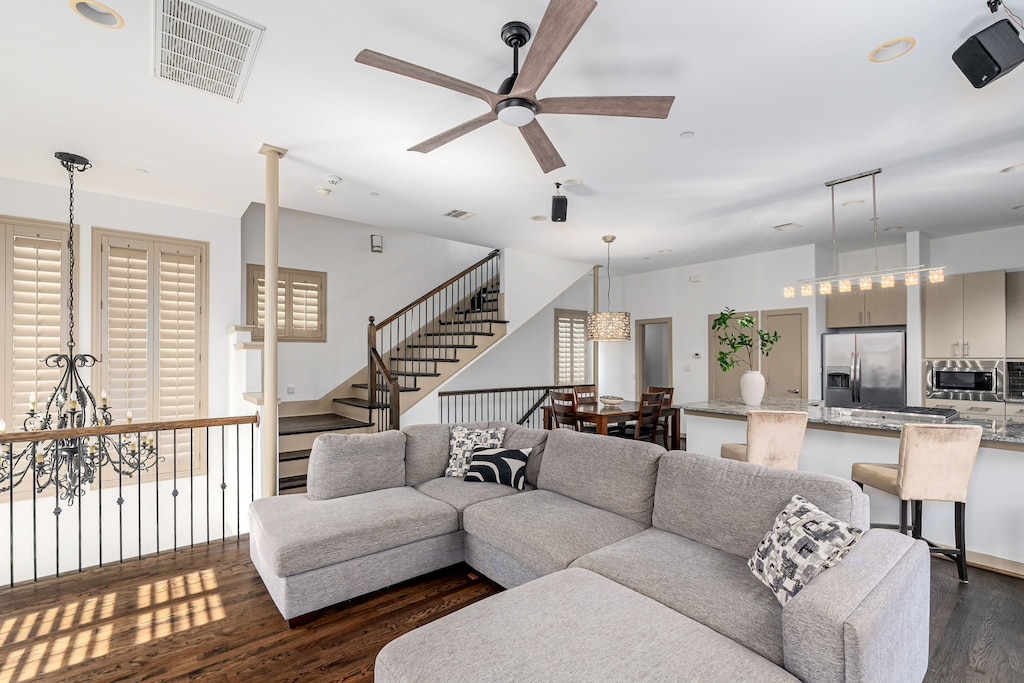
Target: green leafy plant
pixel 739 333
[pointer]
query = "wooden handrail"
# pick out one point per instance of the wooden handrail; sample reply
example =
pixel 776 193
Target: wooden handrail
pixel 436 290
pixel 133 428
pixel 502 390
pixel 394 396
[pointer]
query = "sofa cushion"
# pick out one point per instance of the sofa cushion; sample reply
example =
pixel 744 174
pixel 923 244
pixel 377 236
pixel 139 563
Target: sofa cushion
pixel 346 464
pixel 544 530
pixel 519 437
pixel 731 505
pixel 570 626
pixel 803 542
pixel 298 534
pixel 710 586
pixel 461 494
pixel 505 466
pixel 617 475
pixel 426 447
pixel 464 441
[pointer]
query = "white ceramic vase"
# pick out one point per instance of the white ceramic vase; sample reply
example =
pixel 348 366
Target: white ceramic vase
pixel 752 387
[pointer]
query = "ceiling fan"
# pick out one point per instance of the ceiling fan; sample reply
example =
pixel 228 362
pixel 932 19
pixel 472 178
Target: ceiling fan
pixel 515 101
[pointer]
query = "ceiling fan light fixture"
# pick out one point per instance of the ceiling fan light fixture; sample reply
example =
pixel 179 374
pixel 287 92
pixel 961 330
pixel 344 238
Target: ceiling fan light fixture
pixel 515 111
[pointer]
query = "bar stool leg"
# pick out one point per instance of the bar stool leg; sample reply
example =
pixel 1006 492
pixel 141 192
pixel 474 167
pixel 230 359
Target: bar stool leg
pixel 916 523
pixel 961 542
pixel 903 516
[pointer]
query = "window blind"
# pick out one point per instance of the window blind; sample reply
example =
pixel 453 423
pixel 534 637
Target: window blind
pixel 570 347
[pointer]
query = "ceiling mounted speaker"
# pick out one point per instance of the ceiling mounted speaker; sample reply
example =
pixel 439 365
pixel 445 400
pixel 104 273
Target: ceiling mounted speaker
pixel 559 208
pixel 990 53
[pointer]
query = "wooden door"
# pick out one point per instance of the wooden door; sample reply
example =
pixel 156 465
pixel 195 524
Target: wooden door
pixel 944 318
pixel 723 384
pixel 845 309
pixel 1015 315
pixel 885 307
pixel 985 315
pixel 785 368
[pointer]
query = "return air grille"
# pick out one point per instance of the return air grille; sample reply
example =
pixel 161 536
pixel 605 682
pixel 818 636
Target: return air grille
pixel 205 48
pixel 460 214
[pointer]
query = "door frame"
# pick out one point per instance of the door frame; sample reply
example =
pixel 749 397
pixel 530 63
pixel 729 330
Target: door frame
pixel 804 344
pixel 639 350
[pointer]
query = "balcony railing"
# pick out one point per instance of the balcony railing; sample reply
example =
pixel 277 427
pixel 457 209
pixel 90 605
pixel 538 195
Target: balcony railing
pixel 196 491
pixel 522 405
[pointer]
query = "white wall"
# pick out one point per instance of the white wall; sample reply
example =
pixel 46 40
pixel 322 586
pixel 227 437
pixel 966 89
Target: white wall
pixel 45 202
pixel 359 284
pixel 980 251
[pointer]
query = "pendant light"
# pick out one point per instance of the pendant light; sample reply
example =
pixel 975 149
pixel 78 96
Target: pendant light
pixel 610 325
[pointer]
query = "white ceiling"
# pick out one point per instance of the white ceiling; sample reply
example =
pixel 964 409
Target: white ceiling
pixel 781 96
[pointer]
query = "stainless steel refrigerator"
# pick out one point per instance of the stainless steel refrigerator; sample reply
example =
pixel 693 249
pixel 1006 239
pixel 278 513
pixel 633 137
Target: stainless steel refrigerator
pixel 864 368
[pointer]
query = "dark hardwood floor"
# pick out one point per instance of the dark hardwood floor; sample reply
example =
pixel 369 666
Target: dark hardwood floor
pixel 203 614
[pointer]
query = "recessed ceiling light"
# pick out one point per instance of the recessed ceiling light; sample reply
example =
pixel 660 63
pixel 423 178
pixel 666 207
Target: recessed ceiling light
pixel 892 49
pixel 852 202
pixel 892 228
pixel 1011 169
pixel 687 134
pixel 783 227
pixel 97 13
pixel 142 171
pixel 538 218
pixel 664 251
pixel 375 194
pixel 572 182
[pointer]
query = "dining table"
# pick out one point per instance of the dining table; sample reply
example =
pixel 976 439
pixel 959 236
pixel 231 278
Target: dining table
pixel 602 416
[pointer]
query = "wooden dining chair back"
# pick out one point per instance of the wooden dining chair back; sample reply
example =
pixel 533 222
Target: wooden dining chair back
pixel 667 394
pixel 585 393
pixel 563 408
pixel 648 418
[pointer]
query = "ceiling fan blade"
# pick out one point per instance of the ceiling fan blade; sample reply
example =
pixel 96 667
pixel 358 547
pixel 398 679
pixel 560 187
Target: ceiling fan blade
pixel 453 133
pixel 642 107
pixel 562 20
pixel 376 59
pixel 540 145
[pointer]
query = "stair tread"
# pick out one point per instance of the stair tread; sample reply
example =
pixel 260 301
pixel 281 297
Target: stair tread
pixel 440 346
pixel 403 373
pixel 425 360
pixel 385 387
pixel 288 456
pixel 285 483
pixel 472 322
pixel 359 402
pixel 457 334
pixel 307 424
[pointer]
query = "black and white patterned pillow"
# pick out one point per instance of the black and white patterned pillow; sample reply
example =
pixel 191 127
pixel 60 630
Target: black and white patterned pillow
pixel 499 465
pixel 804 542
pixel 463 441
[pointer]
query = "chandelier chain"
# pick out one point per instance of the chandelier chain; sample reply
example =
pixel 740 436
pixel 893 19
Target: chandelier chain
pixel 71 258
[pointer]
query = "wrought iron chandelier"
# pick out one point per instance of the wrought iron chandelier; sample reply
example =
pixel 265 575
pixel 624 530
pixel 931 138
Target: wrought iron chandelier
pixel 610 325
pixel 68 465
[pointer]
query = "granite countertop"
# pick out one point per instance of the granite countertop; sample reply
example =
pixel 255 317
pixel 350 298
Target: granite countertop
pixel 998 431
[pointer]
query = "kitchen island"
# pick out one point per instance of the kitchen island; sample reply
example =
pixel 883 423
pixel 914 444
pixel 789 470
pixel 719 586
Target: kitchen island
pixel 838 437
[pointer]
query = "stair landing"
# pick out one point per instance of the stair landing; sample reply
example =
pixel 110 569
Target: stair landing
pixel 307 424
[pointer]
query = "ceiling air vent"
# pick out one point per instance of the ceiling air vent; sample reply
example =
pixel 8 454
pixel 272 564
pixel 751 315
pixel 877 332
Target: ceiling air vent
pixel 783 227
pixel 204 48
pixel 461 215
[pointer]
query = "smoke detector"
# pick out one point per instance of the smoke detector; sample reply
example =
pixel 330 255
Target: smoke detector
pixel 332 179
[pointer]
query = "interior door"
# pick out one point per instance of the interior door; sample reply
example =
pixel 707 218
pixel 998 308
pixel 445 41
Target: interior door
pixel 723 384
pixel 654 354
pixel 785 368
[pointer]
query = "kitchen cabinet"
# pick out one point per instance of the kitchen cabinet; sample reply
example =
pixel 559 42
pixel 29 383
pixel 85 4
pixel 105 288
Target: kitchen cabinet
pixel 1015 315
pixel 875 307
pixel 1015 411
pixel 985 410
pixel 965 316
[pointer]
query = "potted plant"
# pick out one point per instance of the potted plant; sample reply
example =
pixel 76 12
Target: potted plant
pixel 741 336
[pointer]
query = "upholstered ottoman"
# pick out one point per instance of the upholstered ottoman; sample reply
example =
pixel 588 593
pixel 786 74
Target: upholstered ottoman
pixel 572 625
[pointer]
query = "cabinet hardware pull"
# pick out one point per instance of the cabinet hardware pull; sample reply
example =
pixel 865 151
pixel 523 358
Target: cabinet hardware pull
pixel 967 349
pixel 869 317
pixel 956 349
pixel 793 391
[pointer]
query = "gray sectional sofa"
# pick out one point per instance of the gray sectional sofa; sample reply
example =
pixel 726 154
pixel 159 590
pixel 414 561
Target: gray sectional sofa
pixel 624 562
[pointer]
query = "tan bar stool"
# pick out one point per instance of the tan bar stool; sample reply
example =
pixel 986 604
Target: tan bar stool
pixel 774 439
pixel 935 463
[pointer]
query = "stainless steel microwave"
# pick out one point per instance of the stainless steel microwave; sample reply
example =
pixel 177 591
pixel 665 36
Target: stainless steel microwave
pixel 965 379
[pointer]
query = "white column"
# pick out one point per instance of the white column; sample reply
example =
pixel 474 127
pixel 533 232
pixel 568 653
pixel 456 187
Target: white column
pixel 270 242
pixel 917 253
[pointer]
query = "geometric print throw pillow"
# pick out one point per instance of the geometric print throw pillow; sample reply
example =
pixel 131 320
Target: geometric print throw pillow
pixel 462 443
pixel 804 542
pixel 499 465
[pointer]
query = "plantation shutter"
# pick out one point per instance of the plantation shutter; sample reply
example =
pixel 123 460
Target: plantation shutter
pixel 570 347
pixel 261 295
pixel 125 362
pixel 38 315
pixel 178 345
pixel 306 296
pixel 301 303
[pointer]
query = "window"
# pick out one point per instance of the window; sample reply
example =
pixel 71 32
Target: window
pixel 572 352
pixel 151 325
pixel 301 303
pixel 33 307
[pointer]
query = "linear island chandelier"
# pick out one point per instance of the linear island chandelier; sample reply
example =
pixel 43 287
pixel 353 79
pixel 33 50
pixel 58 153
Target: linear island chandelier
pixel 70 464
pixel 885 278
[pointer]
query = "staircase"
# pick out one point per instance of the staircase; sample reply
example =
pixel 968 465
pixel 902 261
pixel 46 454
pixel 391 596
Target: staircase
pixel 410 354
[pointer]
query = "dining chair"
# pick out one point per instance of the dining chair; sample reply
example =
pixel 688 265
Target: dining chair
pixel 667 394
pixel 585 393
pixel 646 426
pixel 774 439
pixel 935 463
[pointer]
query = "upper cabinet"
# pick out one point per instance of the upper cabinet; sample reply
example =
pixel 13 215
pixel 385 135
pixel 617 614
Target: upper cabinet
pixel 965 316
pixel 1015 315
pixel 876 307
